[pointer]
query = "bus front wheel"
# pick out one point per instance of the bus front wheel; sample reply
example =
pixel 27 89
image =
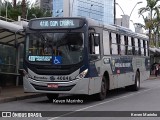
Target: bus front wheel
pixel 52 96
pixel 103 92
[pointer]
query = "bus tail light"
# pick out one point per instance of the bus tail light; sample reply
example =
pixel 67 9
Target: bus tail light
pixel 82 74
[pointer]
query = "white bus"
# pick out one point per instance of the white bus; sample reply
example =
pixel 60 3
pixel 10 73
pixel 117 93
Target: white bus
pixel 80 56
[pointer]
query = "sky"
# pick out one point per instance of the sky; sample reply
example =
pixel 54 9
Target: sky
pixel 127 6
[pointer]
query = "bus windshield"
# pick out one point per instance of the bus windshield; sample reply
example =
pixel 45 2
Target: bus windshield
pixel 55 48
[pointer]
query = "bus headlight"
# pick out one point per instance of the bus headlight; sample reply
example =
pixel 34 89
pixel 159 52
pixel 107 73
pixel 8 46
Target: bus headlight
pixel 82 74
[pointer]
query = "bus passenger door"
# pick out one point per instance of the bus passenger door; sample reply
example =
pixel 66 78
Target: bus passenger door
pixel 94 63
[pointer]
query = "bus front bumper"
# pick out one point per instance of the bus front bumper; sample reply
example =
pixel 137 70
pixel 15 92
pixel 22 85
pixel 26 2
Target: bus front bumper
pixel 80 86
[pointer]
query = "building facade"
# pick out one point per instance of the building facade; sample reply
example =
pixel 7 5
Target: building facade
pixel 124 21
pixel 57 8
pixel 46 5
pixel 100 10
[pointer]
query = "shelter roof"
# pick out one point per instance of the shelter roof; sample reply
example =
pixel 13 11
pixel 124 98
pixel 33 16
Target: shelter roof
pixel 8 31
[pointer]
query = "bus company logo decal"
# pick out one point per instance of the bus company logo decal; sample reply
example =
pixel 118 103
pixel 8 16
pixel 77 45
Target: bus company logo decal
pixel 40 77
pixel 60 78
pixel 52 78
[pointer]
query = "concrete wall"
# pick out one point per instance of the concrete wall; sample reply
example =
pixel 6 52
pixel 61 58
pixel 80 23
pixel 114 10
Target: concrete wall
pixel 124 21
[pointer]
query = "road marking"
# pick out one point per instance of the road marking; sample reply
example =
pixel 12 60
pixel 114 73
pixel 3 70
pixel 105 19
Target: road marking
pixel 122 97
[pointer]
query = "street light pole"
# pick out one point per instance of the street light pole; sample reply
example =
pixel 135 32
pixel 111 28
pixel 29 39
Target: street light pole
pixel 120 8
pixel 6 10
pixel 114 11
pixel 134 8
pixel 130 13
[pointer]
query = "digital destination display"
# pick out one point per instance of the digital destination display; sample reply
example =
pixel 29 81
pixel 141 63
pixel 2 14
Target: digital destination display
pixel 55 23
pixel 40 58
pixel 54 59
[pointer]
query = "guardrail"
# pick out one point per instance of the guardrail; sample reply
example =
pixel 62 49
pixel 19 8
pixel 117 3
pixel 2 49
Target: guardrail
pixel 6 19
pixel 10 20
pixel 8 69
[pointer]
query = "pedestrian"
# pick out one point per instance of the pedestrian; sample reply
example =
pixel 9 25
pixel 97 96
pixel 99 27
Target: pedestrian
pixel 157 70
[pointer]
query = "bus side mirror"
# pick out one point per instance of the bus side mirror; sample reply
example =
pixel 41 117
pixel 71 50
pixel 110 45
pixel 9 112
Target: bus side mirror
pixel 96 39
pixel 21 72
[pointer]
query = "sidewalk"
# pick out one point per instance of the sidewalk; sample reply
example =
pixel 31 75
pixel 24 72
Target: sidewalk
pixel 13 93
pixel 153 77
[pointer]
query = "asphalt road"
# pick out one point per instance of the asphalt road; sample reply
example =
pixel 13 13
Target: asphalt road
pixel 119 105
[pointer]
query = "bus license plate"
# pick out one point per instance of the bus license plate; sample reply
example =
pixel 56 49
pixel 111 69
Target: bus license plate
pixel 52 85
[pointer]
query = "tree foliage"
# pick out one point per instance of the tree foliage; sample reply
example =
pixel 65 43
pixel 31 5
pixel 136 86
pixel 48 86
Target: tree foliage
pixel 151 21
pixel 29 12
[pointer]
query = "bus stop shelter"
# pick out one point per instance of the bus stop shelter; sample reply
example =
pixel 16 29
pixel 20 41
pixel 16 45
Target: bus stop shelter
pixel 12 35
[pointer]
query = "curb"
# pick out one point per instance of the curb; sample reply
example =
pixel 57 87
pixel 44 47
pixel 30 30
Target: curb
pixel 16 98
pixel 152 78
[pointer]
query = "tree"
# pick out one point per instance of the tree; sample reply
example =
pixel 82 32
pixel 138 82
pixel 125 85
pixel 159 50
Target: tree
pixel 151 8
pixel 14 3
pixel 28 11
pixel 23 8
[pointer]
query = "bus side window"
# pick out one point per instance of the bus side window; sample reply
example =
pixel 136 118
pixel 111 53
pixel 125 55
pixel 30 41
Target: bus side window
pixel 94 45
pixel 118 38
pixel 142 47
pixel 129 46
pixel 136 46
pixel 147 51
pixel 126 44
pixel 91 44
pixel 110 42
pixel 122 45
pixel 106 42
pixel 133 46
pixel 114 44
pixel 139 47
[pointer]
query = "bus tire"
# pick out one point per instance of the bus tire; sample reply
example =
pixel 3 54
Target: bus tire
pixel 52 96
pixel 136 85
pixel 103 92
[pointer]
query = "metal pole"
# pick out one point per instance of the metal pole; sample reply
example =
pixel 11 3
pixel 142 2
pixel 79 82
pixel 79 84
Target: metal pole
pixel 27 14
pixel 0 7
pixel 17 56
pixel 6 10
pixel 114 11
pixel 134 8
pixel 120 8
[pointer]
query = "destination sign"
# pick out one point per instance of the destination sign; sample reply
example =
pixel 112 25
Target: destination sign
pixel 54 23
pixel 39 58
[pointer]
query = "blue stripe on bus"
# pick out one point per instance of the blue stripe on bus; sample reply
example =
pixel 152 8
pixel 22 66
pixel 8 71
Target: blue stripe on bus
pixel 93 71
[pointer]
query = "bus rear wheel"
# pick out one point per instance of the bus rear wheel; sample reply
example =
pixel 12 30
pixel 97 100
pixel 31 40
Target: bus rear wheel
pixel 103 92
pixel 136 85
pixel 52 96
